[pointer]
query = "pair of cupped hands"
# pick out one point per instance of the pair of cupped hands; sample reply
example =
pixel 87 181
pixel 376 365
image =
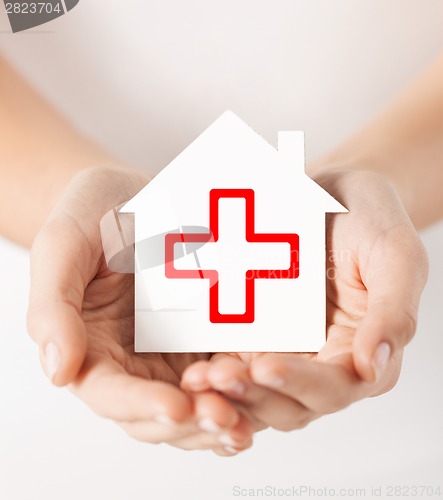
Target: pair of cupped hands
pixel 82 317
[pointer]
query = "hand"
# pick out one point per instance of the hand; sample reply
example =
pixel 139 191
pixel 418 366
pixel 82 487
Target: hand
pixel 81 315
pixel 376 271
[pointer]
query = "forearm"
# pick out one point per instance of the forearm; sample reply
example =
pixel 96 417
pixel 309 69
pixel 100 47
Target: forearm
pixel 39 154
pixel 406 145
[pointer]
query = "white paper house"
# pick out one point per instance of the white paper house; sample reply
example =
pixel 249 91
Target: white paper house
pixel 173 314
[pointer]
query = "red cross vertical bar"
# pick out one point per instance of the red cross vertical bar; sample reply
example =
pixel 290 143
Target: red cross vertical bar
pixel 292 272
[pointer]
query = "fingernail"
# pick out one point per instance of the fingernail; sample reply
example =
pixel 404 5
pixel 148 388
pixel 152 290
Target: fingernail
pixel 237 387
pixel 277 382
pixel 381 358
pixel 208 425
pixel 227 440
pixel 51 360
pixel 231 450
pixel 165 420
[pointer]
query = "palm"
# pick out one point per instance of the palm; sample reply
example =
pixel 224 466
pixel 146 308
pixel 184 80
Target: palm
pixel 359 245
pixel 346 295
pixel 82 315
pixel 373 256
pixel 108 313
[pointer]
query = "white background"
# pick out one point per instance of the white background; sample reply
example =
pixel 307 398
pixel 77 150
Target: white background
pixel 144 78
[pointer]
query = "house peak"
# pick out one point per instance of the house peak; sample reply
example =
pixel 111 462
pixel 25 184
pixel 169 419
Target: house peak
pixel 240 156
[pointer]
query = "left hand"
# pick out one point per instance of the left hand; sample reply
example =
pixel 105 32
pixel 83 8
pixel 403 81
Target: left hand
pixel 376 271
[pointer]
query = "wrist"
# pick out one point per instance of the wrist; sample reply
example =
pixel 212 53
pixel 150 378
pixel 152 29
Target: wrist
pixel 123 181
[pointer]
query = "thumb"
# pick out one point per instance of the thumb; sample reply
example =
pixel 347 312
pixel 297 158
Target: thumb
pixel 58 258
pixel 395 277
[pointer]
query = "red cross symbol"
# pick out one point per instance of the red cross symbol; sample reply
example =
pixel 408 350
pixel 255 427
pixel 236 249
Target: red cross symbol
pixel 212 237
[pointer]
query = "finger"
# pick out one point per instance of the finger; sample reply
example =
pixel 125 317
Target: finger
pixel 148 431
pixel 231 376
pixel 321 387
pixel 112 393
pixel 214 413
pixel 395 276
pixel 198 441
pixel 230 451
pixel 194 377
pixel 238 438
pixel 226 451
pixel 57 286
pixel 212 426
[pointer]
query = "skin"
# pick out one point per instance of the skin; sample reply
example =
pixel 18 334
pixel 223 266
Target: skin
pixel 377 269
pixel 81 314
pixel 389 176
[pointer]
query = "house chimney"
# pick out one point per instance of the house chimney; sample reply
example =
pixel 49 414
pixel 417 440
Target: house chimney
pixel 291 149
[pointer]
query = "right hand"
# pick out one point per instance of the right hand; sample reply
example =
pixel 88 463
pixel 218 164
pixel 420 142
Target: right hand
pixel 377 269
pixel 82 317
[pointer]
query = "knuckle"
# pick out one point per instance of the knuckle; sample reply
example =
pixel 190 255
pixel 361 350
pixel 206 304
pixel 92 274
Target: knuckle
pixel 99 411
pixel 306 386
pixel 295 423
pixel 408 327
pixel 134 432
pixel 338 401
pixel 296 419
